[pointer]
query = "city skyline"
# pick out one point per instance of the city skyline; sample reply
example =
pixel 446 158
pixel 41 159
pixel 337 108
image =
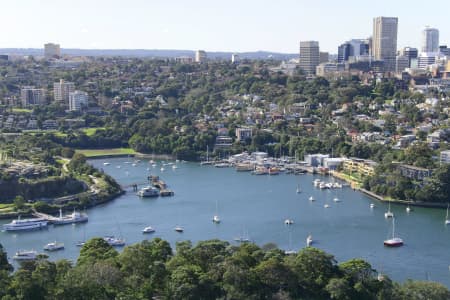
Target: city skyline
pixel 232 26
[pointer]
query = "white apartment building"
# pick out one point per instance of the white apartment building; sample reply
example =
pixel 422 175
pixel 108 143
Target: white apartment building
pixel 62 90
pixel 200 56
pixel 78 100
pixel 30 95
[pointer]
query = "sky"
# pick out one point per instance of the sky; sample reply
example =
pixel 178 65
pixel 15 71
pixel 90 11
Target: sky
pixel 211 25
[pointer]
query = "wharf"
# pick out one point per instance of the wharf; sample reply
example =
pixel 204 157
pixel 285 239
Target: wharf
pixel 161 185
pixel 47 217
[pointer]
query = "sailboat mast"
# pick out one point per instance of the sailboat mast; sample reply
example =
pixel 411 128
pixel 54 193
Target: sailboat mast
pixel 393 227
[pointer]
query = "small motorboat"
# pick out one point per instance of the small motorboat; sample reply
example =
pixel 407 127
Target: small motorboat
pixel 179 229
pixel 312 198
pixel 326 206
pixel 288 222
pixel 113 241
pixel 148 229
pixel 216 219
pixel 372 205
pixel 54 246
pixel 106 163
pixel 336 199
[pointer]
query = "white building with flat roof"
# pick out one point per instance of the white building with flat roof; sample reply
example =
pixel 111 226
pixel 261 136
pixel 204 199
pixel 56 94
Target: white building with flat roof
pixel 30 95
pixel 200 56
pixel 62 90
pixel 78 100
pixel 444 157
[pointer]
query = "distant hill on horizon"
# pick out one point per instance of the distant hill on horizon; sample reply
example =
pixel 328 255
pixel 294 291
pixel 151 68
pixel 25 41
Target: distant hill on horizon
pixel 150 53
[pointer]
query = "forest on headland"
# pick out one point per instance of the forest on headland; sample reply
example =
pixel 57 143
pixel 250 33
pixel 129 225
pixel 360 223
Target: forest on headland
pixel 210 269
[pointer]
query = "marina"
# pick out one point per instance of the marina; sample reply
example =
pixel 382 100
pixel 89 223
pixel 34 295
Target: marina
pixel 254 208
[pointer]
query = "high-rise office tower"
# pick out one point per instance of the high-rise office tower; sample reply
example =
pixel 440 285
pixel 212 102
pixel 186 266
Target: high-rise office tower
pixel 344 52
pixel 384 43
pixel 401 63
pixel 430 40
pixel 354 48
pixel 52 50
pixel 62 90
pixel 309 56
pixel 200 56
pixel 324 57
pixel 410 53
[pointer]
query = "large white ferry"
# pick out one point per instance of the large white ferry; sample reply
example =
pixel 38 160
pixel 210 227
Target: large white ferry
pixel 25 224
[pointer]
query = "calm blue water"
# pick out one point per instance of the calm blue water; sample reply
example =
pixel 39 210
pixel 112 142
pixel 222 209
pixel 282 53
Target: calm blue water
pixel 256 206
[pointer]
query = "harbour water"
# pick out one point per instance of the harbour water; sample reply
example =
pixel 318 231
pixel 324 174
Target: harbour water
pixel 256 207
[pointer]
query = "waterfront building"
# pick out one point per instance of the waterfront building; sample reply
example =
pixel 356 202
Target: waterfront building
pixel 363 167
pixel 62 90
pixel 30 95
pixel 78 100
pixel 223 142
pixel 384 43
pixel 309 56
pixel 243 133
pixel 316 160
pixel 430 40
pixel 52 51
pixel 200 56
pixel 332 163
pixel 414 172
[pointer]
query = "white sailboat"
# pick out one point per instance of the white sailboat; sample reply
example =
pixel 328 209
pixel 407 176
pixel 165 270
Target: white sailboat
pixel 447 220
pixel 298 190
pixel 290 251
pixel 311 198
pixel 389 214
pixel 309 241
pixel 394 241
pixel 216 218
pixel 206 162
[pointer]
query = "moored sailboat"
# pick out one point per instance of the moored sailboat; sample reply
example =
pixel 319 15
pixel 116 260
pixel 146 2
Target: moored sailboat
pixel 394 241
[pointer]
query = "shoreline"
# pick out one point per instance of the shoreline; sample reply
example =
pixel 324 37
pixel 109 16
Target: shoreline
pixel 355 186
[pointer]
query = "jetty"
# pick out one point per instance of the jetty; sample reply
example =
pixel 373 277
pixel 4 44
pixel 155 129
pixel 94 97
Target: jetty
pixel 50 219
pixel 158 183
